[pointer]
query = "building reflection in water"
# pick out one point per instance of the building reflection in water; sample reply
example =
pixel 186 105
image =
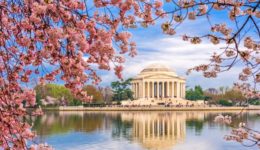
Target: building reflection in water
pixel 157 130
pixel 152 130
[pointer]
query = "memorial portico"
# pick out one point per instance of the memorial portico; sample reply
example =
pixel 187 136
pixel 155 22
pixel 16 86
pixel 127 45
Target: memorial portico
pixel 158 82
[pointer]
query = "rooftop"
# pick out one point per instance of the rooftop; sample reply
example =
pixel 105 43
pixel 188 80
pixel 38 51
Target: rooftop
pixel 157 68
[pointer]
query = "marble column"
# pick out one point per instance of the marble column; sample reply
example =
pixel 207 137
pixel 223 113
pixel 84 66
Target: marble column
pixel 157 90
pixel 136 84
pixel 173 89
pixel 148 89
pixel 184 89
pixel 143 89
pixel 134 90
pixel 178 90
pixel 163 92
pixel 181 90
pixel 138 88
pixel 152 89
pixel 168 89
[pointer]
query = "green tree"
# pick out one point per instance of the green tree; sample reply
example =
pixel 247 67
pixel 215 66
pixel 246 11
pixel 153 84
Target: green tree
pixel 254 101
pixel 53 90
pixel 63 94
pixel 198 90
pixel 196 94
pixel 121 90
pixel 224 102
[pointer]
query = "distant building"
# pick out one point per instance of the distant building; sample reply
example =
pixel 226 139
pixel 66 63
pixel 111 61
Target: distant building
pixel 107 94
pixel 212 91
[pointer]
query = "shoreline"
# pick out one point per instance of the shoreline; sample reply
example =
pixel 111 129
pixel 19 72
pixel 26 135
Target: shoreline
pixel 80 108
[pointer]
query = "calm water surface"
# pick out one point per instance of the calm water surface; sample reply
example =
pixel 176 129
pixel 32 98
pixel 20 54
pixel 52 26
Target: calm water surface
pixel 138 130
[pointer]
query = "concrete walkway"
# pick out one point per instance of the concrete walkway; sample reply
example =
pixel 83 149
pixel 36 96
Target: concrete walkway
pixel 153 108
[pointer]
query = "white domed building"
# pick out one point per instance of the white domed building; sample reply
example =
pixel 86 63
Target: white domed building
pixel 158 84
pixel 158 81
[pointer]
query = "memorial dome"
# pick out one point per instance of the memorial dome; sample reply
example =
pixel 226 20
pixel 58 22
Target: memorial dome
pixel 157 68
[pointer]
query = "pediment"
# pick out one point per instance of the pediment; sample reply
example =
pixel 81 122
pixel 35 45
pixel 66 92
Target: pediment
pixel 160 76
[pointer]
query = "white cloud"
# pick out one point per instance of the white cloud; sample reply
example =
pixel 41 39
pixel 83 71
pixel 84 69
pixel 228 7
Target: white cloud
pixel 178 55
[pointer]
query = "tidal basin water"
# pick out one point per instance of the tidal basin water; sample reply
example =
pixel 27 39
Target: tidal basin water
pixel 139 130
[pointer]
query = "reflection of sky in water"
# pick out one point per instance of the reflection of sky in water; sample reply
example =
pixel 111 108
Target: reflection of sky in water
pixel 137 130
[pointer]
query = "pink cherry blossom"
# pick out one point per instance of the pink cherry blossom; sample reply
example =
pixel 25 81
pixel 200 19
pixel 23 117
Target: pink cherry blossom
pixel 192 15
pixel 64 39
pixel 158 4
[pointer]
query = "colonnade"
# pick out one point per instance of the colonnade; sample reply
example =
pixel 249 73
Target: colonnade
pixel 158 89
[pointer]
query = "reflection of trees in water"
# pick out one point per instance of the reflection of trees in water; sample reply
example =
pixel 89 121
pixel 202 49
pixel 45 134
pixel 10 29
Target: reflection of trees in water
pixel 236 119
pixel 251 118
pixel 121 128
pixel 151 129
pixel 196 124
pixel 59 122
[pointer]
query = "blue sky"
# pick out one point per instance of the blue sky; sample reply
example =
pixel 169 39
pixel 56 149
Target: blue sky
pixel 155 47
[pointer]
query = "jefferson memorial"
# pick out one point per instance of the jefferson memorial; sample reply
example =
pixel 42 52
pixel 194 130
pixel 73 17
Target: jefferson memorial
pixel 158 82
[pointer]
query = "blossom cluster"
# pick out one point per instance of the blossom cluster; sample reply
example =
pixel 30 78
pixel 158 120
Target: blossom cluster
pixel 240 133
pixel 242 42
pixel 50 40
pixel 247 90
pixel 47 40
pixel 223 119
